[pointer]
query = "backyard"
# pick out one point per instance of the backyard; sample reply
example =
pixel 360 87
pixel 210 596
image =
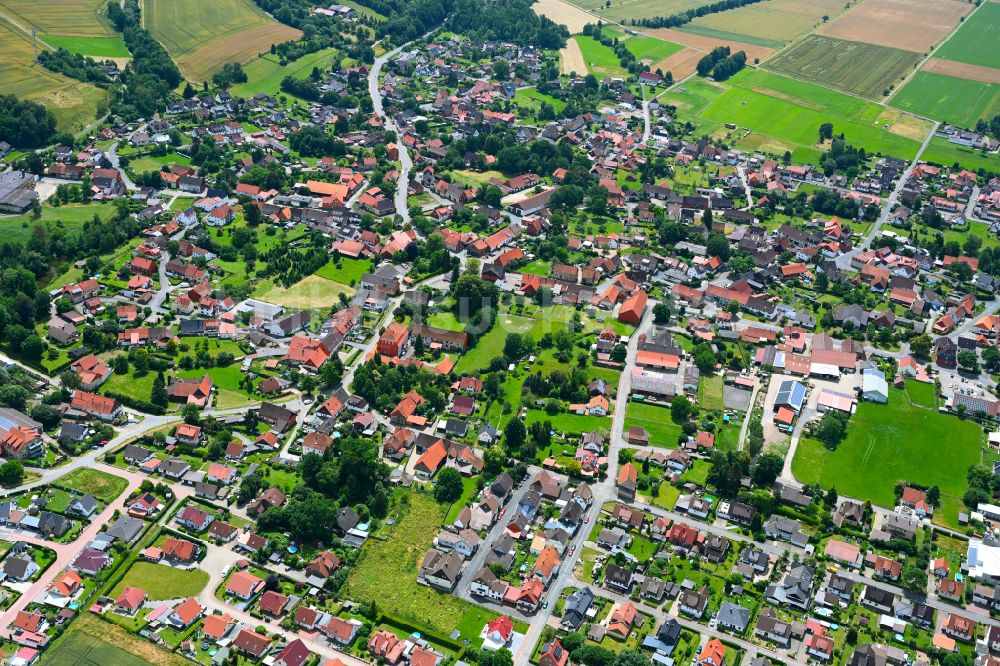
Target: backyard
pixel 656 420
pixel 105 487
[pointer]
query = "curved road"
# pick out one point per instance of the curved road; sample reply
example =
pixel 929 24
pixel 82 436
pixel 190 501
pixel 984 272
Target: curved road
pixel 403 182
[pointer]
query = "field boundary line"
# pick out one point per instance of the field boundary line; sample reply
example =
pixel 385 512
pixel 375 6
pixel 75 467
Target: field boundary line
pixel 26 31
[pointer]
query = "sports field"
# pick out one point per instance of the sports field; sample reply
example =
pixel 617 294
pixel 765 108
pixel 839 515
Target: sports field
pixel 785 114
pixel 860 69
pixel 949 98
pixel 912 25
pixel 977 41
pixel 82 18
pixel 73 103
pixel 600 59
pixel 203 36
pixel 265 73
pixel 890 443
pixel 774 20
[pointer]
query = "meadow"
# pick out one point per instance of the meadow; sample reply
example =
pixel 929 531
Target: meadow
pixel 977 40
pixel 657 422
pixel 942 151
pixel 82 18
pixel 775 21
pixel 948 98
pixel 74 104
pixel 860 69
pixel 600 59
pixel 531 99
pixel 312 292
pixel 202 36
pixel 162 582
pixel 70 218
pixel 888 443
pixel 95 47
pixel 785 114
pixel 105 487
pixel 265 72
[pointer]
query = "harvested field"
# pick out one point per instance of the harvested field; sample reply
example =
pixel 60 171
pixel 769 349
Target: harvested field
pixel 81 18
pixel 564 13
pixel 782 20
pixel 962 70
pixel 571 59
pixel 706 44
pixel 622 11
pixel 203 36
pixel 911 25
pixel 977 41
pixel 681 64
pixel 861 69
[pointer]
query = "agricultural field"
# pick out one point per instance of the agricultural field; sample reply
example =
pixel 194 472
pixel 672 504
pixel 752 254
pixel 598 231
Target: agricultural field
pixel 948 98
pixel 889 443
pixel 977 41
pixel 785 114
pixel 162 582
pixel 942 151
pixel 73 103
pixel 860 69
pixel 599 59
pixel 203 36
pixel 95 47
pixel 571 59
pixel 651 50
pixel 622 11
pixel 265 72
pixel 682 64
pixel 311 292
pixel 563 13
pixel 776 21
pixel 911 25
pixel 80 18
pixel 706 43
pixel 91 641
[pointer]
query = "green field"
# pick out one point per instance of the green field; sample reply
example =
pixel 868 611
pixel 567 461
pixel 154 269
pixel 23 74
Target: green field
pixel 941 151
pixel 82 18
pixel 95 47
pixel 531 99
pixel 386 574
pixel 890 443
pixel 490 346
pixel 93 642
pixel 265 73
pixel 70 217
pixel 711 393
pixel 728 36
pixel 349 272
pixel 977 40
pixel 105 487
pixel 656 420
pixel 73 103
pixel 949 98
pixel 600 59
pixel 162 582
pixel 785 114
pixel 151 163
pixel 622 11
pixel 574 424
pixel 202 36
pixel 772 21
pixel 860 69
pixel 651 49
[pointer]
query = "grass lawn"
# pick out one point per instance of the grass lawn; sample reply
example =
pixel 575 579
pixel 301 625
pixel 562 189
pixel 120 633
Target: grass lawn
pixel 890 443
pixel 656 420
pixel 490 345
pixel 264 74
pixel 105 487
pixel 386 573
pixel 573 424
pixel 445 320
pixel 921 394
pixel 537 267
pixel 162 582
pixel 710 393
pixel 587 558
pixel 469 490
pixel 530 98
pixel 642 548
pixel 90 640
pixel 153 163
pixel 349 272
pixel 312 292
pixel 666 497
pixel 697 472
pixel 70 217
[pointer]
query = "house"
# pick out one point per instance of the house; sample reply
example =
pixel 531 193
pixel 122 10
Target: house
pixel 323 565
pixel 194 518
pixel 665 640
pixel 627 482
pixel 693 602
pixel 553 654
pixel 575 608
pixel 272 603
pixel 185 613
pixel 295 653
pixel 244 585
pixel 733 616
pixel 795 589
pixel 130 600
pixel 622 619
pixel 179 550
pixel 771 628
pixel 712 654
pixel 252 643
pixel 440 569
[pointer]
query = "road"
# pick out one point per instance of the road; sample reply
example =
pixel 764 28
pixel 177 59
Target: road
pixel 403 182
pixel 844 260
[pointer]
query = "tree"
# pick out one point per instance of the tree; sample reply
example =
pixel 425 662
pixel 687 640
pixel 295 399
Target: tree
pixel 448 487
pixel 705 360
pixel 767 469
pixel 11 473
pixel 968 361
pixel 832 428
pixel 512 347
pixel 718 246
pixel 934 496
pixel 158 394
pixel 661 313
pixel 914 578
pixel 681 409
pixel 513 434
pixel 826 132
pixel 921 346
pixel 618 353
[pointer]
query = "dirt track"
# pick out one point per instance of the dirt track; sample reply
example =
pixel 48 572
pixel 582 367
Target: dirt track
pixel 962 71
pixel 911 25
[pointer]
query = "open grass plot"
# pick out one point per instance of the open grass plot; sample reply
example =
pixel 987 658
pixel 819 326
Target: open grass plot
pixel 787 113
pixel 162 582
pixel 386 572
pixel 312 292
pixel 861 69
pixel 949 98
pixel 942 151
pixel 73 103
pixel 772 20
pixel 202 36
pixel 349 271
pixel 890 443
pixel 977 41
pixel 95 47
pixel 573 424
pixel 70 218
pixel 711 393
pixel 600 59
pixel 105 487
pixel 531 99
pixel 84 18
pixel 265 73
pixel 490 345
pixel 656 420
